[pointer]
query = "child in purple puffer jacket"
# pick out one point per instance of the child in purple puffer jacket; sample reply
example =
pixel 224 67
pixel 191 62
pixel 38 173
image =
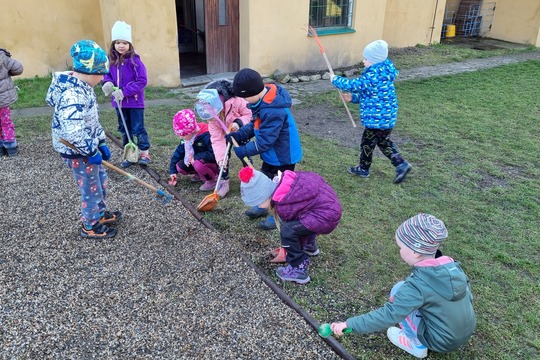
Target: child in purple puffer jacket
pixel 126 81
pixel 304 206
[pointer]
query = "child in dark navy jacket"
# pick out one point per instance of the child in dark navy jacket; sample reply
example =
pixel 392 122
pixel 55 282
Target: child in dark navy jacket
pixel 194 155
pixel 375 92
pixel 276 137
pixel 304 206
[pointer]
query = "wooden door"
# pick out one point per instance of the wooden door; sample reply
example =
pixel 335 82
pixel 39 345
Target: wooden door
pixel 221 21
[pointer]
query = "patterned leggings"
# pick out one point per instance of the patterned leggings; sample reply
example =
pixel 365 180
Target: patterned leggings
pixel 7 129
pixel 411 322
pixel 381 138
pixel 92 183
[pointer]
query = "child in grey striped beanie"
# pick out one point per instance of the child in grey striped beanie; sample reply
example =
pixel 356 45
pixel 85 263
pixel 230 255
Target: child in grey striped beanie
pixel 433 305
pixel 422 233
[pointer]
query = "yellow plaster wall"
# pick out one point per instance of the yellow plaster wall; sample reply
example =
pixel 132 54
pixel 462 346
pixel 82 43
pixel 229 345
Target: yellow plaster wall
pixel 280 40
pixel 40 35
pixel 520 23
pixel 154 33
pixel 412 22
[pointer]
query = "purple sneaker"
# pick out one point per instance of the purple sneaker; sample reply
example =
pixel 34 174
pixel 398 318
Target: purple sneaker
pixel 298 275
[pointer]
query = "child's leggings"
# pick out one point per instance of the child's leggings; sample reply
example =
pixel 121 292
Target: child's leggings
pixel 92 182
pixel 381 138
pixel 411 322
pixel 7 129
pixel 206 171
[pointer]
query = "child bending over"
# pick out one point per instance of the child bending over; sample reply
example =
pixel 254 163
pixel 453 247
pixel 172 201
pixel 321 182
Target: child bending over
pixel 232 113
pixel 304 206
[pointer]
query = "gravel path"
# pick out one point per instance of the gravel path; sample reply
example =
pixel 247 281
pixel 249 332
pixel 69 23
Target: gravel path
pixel 165 287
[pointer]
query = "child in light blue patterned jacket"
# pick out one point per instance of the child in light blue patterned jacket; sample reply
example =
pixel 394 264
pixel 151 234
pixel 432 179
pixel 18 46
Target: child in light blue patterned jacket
pixel 375 92
pixel 79 138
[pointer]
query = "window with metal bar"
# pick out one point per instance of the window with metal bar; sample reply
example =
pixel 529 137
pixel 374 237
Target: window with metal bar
pixel 331 16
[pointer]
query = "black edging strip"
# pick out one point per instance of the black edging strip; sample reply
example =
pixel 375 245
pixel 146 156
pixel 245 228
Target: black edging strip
pixel 333 343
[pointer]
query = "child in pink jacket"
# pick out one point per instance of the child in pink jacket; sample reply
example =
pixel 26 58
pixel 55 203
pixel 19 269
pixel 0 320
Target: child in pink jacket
pixel 233 114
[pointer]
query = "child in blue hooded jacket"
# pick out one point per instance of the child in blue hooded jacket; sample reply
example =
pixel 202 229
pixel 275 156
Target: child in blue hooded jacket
pixel 276 137
pixel 375 92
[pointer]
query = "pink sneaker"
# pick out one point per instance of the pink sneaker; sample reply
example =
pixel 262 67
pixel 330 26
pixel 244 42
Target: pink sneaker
pixel 223 188
pixel 208 185
pixel 412 346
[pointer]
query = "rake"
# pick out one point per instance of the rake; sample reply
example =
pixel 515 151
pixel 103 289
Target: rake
pixel 158 192
pixel 313 33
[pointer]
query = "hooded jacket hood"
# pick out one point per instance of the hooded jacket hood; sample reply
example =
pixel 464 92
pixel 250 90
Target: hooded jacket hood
pixel 438 277
pixel 223 87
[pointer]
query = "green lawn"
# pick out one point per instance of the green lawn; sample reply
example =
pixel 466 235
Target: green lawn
pixel 474 141
pixel 32 92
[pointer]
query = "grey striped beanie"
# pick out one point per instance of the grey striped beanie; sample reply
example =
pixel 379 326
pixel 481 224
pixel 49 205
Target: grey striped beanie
pixel 422 233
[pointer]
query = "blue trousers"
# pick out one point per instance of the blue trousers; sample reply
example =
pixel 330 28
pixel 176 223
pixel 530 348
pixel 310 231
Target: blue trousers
pixel 92 183
pixel 135 123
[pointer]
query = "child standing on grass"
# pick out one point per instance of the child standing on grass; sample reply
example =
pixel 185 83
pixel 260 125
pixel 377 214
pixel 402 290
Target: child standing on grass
pixel 8 95
pixel 194 155
pixel 375 92
pixel 305 206
pixel 433 306
pixel 126 81
pixel 76 121
pixel 276 137
pixel 232 112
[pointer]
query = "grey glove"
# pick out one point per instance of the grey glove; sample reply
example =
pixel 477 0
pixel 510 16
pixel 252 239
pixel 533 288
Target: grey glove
pixel 118 94
pixel 107 88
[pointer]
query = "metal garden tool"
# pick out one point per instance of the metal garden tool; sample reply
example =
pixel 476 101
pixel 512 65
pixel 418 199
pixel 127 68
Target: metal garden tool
pixel 313 33
pixel 211 201
pixel 131 150
pixel 159 193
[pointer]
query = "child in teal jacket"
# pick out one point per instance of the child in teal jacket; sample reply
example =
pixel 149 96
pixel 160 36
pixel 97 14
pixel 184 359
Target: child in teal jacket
pixel 433 306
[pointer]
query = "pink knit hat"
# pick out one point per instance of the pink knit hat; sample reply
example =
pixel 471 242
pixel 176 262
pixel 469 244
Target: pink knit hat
pixel 185 123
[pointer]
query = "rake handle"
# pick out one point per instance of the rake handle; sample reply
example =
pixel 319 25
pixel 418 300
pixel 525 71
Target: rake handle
pixel 125 173
pixel 235 143
pixel 323 52
pixel 129 176
pixel 222 167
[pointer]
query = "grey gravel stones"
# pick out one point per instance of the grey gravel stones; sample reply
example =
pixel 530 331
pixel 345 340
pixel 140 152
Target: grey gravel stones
pixel 164 287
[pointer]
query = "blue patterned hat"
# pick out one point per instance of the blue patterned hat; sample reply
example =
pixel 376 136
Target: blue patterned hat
pixel 89 58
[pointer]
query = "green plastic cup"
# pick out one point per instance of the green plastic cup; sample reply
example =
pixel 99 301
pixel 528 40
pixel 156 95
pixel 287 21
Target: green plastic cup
pixel 325 331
